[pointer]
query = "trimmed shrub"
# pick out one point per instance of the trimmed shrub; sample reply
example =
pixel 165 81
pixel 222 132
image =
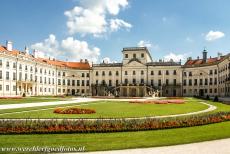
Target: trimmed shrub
pixel 106 125
pixel 73 111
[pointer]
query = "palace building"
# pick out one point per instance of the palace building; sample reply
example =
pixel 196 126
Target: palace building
pixel 137 75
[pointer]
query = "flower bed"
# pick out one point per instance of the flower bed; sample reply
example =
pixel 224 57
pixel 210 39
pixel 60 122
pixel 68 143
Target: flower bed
pixel 101 126
pixel 10 97
pixel 175 98
pixel 73 111
pixel 167 101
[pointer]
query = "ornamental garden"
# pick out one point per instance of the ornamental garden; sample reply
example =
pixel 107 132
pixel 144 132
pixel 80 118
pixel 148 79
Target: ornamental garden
pixel 113 123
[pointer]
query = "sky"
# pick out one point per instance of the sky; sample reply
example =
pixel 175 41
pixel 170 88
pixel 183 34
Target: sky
pixel 98 29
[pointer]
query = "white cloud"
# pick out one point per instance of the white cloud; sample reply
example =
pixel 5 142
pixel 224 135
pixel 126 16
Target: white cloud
pixel 69 48
pixel 148 44
pixel 214 35
pixel 175 57
pixel 91 16
pixel 143 43
pixel 85 21
pixel 75 49
pixel 116 24
pixel 107 60
pixel 49 45
pixel 188 39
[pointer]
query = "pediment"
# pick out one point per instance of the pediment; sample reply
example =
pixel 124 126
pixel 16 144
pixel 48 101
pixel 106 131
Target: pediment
pixel 133 63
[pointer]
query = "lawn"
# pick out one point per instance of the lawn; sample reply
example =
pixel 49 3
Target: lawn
pixel 121 140
pixel 114 109
pixel 30 100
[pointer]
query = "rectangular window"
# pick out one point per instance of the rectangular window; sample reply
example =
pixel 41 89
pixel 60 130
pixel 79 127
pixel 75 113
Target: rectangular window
pixel 110 82
pixel 14 88
pixel 40 79
pixel 1 74
pixel 152 82
pixel 7 75
pixel 167 72
pixel 210 72
pixel 7 64
pixel 195 82
pixel 152 72
pixel 126 56
pixel 14 76
pixel 159 72
pixel 174 82
pixel 206 81
pixel 126 81
pixel 7 87
pixel 201 82
pixel 159 82
pixel 14 65
pixel 167 82
pixel 87 83
pixel 20 76
pixel 134 55
pixel 25 76
pixel 142 72
pixel 185 82
pixel 117 82
pixel 82 83
pixel 31 77
pixel 190 82
pixel 174 72
pixel 142 55
pixel 73 82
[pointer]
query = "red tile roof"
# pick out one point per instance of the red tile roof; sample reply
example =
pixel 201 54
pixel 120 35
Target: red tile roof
pixel 73 65
pixel 200 61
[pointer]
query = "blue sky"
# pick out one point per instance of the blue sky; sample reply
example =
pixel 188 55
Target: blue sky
pixel 98 28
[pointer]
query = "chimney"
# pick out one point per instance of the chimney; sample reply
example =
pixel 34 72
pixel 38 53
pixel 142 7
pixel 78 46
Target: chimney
pixel 205 55
pixel 86 61
pixel 189 58
pixel 35 53
pixel 81 60
pixel 9 45
pixel 198 57
pixel 219 55
pixel 27 50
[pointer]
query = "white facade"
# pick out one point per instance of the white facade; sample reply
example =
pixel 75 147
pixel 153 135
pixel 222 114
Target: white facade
pixel 136 75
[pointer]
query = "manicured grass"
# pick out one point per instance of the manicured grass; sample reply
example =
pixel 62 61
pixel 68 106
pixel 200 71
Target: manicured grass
pixel 121 140
pixel 117 109
pixel 30 100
